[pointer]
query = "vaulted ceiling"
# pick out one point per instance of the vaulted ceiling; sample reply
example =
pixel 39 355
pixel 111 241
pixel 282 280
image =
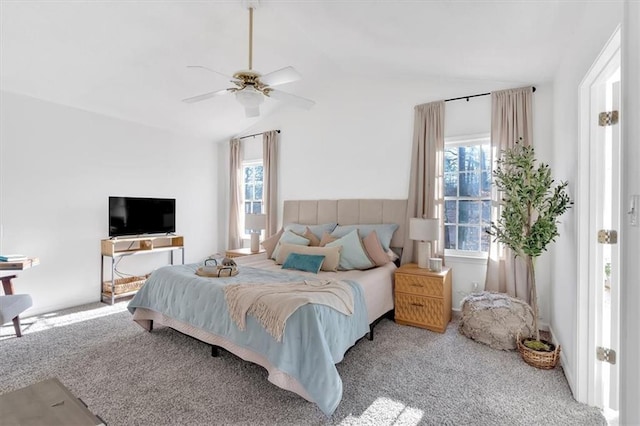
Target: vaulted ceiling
pixel 128 59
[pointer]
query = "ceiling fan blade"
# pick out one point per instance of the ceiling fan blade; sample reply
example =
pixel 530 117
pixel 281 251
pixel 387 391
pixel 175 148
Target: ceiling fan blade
pixel 291 99
pixel 281 76
pixel 210 70
pixel 207 95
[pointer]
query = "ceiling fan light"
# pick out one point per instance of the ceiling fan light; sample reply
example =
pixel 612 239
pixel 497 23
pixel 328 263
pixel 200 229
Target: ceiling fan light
pixel 249 97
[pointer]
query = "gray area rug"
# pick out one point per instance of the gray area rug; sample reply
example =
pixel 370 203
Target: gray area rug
pixel 405 376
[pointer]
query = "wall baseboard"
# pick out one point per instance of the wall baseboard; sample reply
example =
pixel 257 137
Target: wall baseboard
pixel 566 366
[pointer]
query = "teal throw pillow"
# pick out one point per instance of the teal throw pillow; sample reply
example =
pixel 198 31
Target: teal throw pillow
pixel 304 262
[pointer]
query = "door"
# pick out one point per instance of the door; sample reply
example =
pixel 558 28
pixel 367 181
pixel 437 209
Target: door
pixel 598 206
pixel 605 154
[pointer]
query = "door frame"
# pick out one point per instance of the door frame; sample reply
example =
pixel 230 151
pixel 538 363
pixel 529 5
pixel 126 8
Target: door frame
pixel 585 378
pixel 630 273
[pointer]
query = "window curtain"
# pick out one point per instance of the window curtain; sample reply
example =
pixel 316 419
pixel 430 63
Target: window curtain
pixel 235 197
pixel 426 192
pixel 270 188
pixel 511 119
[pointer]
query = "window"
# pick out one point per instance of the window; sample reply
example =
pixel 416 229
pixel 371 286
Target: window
pixel 467 195
pixel 252 172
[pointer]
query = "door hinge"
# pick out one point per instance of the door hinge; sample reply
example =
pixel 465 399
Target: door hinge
pixel 606 355
pixel 608 118
pixel 607 236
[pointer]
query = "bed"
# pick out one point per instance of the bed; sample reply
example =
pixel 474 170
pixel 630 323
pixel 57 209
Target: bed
pixel 316 337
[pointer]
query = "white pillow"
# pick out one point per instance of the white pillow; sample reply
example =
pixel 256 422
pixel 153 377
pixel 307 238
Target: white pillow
pixel 385 231
pixel 289 237
pixel 353 255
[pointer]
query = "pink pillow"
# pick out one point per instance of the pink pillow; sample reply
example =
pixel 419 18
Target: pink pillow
pixel 313 240
pixel 270 243
pixel 374 249
pixel 327 238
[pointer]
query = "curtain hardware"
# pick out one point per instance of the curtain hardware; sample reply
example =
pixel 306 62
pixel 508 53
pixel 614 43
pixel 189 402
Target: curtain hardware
pixel 255 134
pixel 474 96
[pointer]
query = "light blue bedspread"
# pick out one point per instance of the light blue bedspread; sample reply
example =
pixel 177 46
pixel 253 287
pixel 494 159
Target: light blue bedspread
pixel 315 338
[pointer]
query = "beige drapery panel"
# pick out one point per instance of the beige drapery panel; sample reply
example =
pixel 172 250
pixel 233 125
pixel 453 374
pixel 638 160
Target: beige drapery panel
pixel 511 119
pixel 235 197
pixel 426 192
pixel 270 188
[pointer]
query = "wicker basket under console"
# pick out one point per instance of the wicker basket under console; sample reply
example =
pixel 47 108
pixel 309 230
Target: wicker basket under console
pixel 124 285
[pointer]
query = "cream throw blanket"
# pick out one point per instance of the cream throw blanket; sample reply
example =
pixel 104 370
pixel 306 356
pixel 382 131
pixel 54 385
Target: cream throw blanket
pixel 272 304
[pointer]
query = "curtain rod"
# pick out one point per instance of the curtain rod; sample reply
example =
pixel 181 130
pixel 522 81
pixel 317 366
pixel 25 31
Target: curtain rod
pixel 473 96
pixel 256 134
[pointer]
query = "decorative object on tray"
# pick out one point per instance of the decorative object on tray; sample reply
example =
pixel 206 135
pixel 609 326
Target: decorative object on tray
pixel 495 319
pixel 530 206
pixel 226 268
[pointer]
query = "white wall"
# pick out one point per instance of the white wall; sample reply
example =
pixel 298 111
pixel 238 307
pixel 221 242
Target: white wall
pixel 356 143
pixel 58 165
pixel 598 24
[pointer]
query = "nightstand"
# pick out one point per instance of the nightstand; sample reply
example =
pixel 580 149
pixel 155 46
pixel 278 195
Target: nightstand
pixel 423 298
pixel 241 252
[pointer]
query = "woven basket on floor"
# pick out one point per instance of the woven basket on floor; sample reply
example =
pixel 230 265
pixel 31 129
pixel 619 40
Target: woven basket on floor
pixel 539 359
pixel 124 285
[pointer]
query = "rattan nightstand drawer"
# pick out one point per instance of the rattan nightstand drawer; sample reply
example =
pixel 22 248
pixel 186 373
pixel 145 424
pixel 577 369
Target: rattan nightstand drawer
pixel 420 311
pixel 416 284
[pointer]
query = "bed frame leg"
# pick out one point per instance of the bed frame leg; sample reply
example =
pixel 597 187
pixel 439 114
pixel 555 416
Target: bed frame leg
pixel 215 351
pixel 389 315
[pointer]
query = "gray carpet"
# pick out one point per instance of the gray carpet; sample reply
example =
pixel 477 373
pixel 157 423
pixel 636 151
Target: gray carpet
pixel 406 375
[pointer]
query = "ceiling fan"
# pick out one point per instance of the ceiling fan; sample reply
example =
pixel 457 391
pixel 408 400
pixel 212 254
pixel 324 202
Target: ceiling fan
pixel 252 87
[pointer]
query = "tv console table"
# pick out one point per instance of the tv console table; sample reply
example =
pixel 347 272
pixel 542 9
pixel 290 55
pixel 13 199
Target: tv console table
pixel 118 247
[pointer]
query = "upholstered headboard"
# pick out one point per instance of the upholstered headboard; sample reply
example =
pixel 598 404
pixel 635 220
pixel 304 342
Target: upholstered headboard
pixel 349 212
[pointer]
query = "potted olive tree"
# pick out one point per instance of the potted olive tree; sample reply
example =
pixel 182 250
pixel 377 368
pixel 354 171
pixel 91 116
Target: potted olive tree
pixel 531 203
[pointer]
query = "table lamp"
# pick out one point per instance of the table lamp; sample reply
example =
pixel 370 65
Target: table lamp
pixel 255 223
pixel 424 231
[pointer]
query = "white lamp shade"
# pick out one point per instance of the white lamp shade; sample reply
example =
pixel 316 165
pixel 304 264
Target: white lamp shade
pixel 255 222
pixel 424 229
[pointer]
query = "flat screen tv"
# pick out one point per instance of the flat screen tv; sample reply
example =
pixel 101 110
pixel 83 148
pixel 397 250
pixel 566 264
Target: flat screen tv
pixel 136 216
